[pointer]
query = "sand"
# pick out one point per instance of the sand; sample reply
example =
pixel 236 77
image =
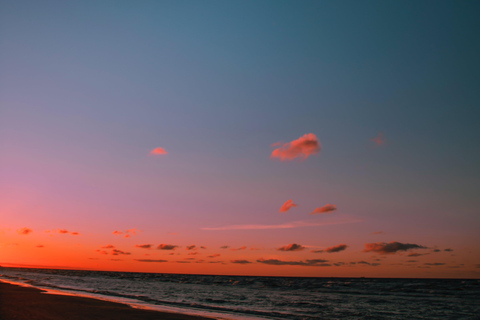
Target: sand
pixel 25 303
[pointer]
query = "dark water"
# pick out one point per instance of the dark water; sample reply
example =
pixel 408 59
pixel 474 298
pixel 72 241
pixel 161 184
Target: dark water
pixel 272 297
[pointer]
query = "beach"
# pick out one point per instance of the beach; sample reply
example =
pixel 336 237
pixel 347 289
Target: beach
pixel 28 303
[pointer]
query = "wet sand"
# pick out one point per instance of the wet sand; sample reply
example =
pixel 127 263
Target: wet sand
pixel 24 303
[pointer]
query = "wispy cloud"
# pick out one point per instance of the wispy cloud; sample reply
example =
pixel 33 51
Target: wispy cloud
pixel 301 148
pixel 192 247
pixel 238 249
pixel 307 263
pixel 24 231
pixel 292 247
pixel 391 247
pixel 329 208
pixel 158 151
pixel 214 255
pixel 379 139
pixel 288 225
pixel 287 206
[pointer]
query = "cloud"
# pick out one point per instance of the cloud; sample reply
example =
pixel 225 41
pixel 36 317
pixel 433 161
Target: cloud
pixel 127 233
pixel 224 247
pixel 338 248
pixel 287 206
pixel 240 261
pixel 214 255
pixel 325 209
pixel 108 246
pixel 292 247
pixel 379 139
pixel 377 232
pixel 40 246
pixel 307 263
pixel 289 225
pixel 149 260
pixel 237 249
pixel 434 264
pixel 436 250
pixel 390 248
pixel 448 250
pixel 64 231
pixel 144 246
pixel 158 151
pixel 416 254
pixel 163 246
pixel 301 148
pixel 24 231
pixel 193 253
pixel 367 263
pixel 117 252
pixel 192 247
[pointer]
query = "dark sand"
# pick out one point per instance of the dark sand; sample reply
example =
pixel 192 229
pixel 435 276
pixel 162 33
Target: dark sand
pixel 23 303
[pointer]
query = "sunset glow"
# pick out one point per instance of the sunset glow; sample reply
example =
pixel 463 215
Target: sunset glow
pixel 291 139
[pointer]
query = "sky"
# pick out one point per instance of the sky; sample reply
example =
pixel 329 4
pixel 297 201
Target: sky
pixel 272 138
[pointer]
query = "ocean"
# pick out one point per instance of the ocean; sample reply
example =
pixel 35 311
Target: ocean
pixel 250 297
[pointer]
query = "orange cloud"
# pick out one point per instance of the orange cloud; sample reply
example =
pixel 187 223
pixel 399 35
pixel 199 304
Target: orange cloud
pixel 158 151
pixel 40 246
pixel 127 233
pixel 379 139
pixel 390 248
pixel 292 247
pixel 301 148
pixel 63 231
pixel 192 247
pixel 144 246
pixel 108 246
pixel 24 231
pixel 307 263
pixel 163 246
pixel 287 206
pixel 214 255
pixel 149 260
pixel 325 209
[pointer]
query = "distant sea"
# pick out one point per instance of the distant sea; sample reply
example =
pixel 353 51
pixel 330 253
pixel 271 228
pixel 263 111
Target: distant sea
pixel 249 297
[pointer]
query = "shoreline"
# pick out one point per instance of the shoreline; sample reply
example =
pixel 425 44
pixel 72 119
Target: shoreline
pixel 24 302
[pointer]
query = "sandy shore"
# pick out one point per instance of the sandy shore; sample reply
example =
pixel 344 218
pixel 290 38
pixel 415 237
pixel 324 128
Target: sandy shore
pixel 23 303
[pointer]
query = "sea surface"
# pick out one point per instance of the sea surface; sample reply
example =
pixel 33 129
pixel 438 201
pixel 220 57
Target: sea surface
pixel 248 297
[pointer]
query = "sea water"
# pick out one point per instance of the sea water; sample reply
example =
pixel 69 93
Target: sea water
pixel 240 297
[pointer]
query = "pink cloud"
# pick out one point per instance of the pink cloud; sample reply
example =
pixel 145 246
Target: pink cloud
pixel 301 148
pixel 63 231
pixel 379 139
pixel 288 225
pixel 292 247
pixel 329 208
pixel 287 206
pixel 158 151
pixel 377 232
pixel 237 249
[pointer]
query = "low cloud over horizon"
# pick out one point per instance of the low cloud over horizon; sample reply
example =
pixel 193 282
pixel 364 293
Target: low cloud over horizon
pixel 391 247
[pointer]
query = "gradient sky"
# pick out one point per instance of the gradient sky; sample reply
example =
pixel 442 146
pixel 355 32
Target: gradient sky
pixel 225 124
